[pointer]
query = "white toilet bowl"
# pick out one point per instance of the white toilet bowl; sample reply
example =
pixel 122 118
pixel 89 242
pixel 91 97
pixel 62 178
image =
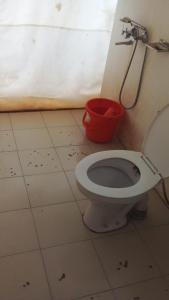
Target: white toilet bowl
pixel 117 180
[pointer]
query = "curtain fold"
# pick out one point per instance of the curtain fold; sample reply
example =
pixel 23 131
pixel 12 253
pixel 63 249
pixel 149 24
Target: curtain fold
pixel 54 51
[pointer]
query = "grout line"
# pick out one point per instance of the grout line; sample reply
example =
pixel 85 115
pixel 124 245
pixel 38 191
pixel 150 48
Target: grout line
pixel 137 282
pixel 19 253
pixel 94 294
pixel 36 207
pixel 65 171
pixel 102 266
pixel 121 287
pixel 71 112
pixel 65 244
pixel 33 174
pixel 94 248
pixel 40 249
pixel 35 228
pixel 148 248
pixel 42 128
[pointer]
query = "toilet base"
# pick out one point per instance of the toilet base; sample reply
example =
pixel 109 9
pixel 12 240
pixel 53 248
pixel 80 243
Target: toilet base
pixel 105 218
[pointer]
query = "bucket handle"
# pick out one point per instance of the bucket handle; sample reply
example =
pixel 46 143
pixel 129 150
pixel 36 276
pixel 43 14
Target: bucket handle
pixel 85 123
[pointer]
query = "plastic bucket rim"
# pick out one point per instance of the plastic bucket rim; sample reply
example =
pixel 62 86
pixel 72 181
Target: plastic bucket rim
pixel 117 116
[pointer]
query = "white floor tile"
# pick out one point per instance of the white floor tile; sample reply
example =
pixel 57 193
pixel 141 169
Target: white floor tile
pixel 22 278
pixel 157 214
pixel 70 156
pixel 157 241
pixel 78 115
pixel 58 224
pixel 17 232
pixel 32 138
pixel 74 271
pixel 150 290
pixel 125 259
pixel 58 118
pixel 39 161
pixel 66 136
pixel 9 166
pixel 114 145
pixel 26 120
pixel 101 296
pixel 83 204
pixel 96 147
pixel 5 121
pixel 48 189
pixel 72 180
pixel 7 142
pixel 13 194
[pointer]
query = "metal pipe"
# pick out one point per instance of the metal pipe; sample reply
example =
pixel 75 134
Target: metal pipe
pixel 125 43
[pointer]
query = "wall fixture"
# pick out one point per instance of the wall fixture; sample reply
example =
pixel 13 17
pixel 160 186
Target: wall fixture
pixel 161 46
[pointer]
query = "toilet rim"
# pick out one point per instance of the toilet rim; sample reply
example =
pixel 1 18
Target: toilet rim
pixel 147 180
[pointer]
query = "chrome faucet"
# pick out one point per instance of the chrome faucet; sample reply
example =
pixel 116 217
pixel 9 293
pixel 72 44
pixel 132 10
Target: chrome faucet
pixel 137 32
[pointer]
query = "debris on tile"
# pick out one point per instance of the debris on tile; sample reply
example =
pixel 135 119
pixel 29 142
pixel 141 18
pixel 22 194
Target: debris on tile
pixel 122 265
pixel 27 283
pixel 126 263
pixel 150 266
pixel 63 276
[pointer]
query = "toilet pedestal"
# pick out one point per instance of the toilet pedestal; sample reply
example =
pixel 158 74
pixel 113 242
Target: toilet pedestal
pixel 108 217
pixel 104 218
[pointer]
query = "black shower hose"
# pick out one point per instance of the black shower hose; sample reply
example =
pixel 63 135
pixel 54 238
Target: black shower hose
pixel 140 79
pixel 166 199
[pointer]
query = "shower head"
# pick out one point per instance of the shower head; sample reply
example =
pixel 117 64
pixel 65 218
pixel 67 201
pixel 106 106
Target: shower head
pixel 126 20
pixel 133 23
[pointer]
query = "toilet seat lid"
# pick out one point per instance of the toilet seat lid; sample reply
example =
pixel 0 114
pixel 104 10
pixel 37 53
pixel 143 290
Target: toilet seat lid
pixel 156 143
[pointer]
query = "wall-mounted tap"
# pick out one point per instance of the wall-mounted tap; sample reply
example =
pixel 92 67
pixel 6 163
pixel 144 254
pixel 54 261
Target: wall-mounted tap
pixel 137 31
pixel 132 22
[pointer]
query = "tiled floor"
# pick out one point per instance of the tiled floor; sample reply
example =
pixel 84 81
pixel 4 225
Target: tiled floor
pixel 46 253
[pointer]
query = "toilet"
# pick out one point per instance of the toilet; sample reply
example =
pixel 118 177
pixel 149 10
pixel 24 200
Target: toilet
pixel 115 181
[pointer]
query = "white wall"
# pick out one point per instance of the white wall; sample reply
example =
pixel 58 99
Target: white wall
pixel 153 14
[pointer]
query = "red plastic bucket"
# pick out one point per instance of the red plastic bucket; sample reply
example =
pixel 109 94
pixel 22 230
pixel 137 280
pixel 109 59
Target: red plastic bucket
pixel 101 119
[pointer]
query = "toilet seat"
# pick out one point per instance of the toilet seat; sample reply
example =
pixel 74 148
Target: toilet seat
pixel 149 176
